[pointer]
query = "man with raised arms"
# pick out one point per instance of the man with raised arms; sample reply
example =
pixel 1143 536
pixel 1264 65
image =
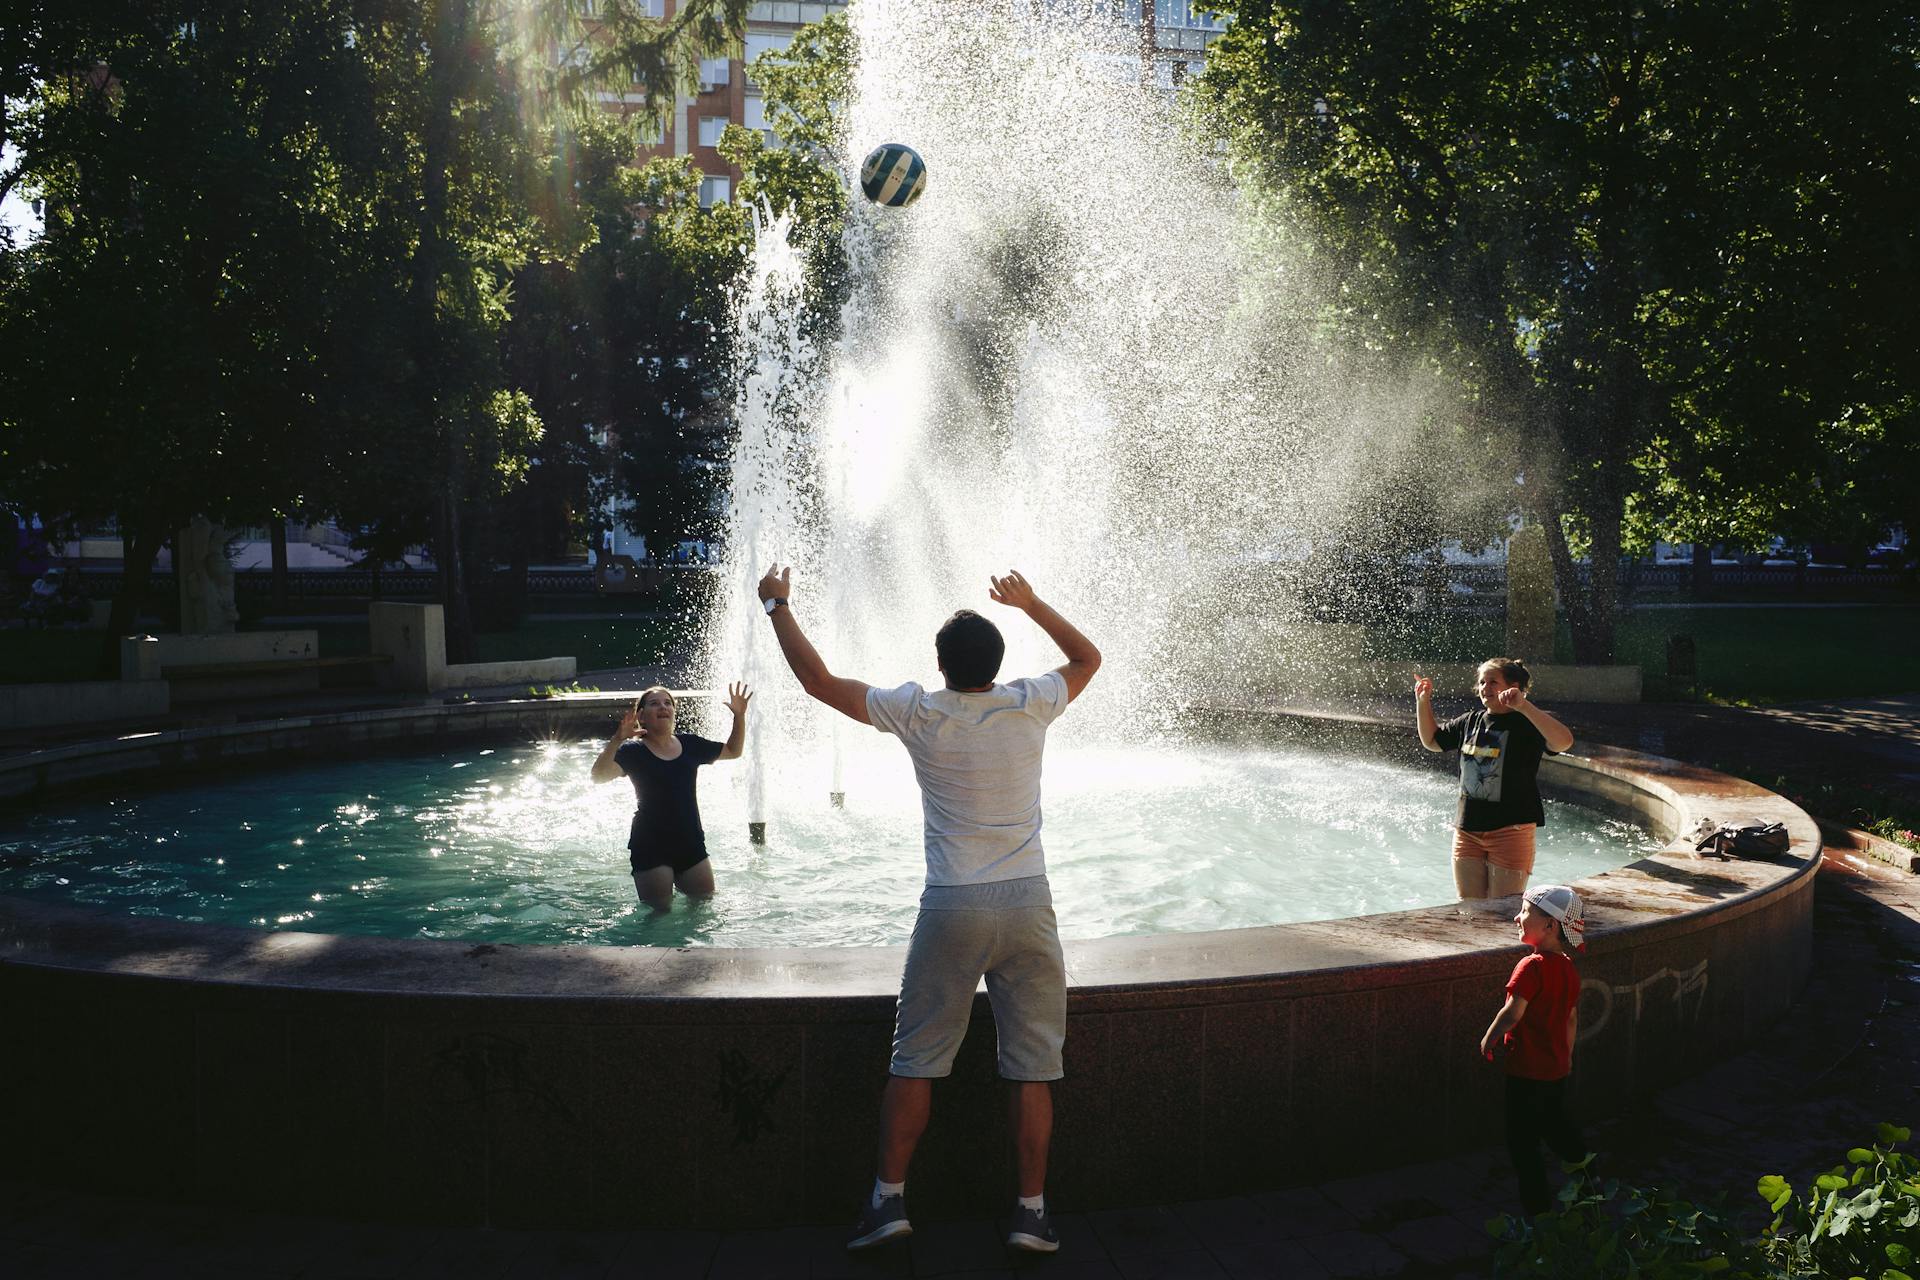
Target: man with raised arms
pixel 986 910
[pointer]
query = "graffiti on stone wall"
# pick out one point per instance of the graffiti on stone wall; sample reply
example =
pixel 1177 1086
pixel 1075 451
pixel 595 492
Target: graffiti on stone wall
pixel 491 1068
pixel 1686 988
pixel 747 1091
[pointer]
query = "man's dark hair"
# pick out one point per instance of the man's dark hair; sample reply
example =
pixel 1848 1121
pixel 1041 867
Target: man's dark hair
pixel 970 650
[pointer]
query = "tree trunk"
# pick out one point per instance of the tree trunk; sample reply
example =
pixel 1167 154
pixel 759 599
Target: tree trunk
pixel 138 549
pixel 1603 591
pixel 520 557
pixel 1702 571
pixel 1566 574
pixel 1593 606
pixel 455 600
pixel 447 38
pixel 277 534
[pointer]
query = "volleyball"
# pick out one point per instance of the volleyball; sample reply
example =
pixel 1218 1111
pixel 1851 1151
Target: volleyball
pixel 893 175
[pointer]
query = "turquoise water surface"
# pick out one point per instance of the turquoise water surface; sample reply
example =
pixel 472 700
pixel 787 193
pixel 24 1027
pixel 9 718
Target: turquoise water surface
pixel 516 844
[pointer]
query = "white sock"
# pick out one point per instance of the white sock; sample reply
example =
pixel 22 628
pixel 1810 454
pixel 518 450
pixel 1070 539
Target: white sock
pixel 1035 1203
pixel 887 1189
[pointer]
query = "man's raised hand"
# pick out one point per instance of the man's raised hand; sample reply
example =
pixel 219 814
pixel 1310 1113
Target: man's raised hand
pixel 775 585
pixel 1013 590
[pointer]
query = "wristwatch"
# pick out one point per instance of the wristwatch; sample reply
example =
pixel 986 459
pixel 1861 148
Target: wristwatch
pixel 773 604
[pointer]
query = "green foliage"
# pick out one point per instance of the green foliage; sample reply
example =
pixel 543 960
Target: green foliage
pixel 804 85
pixel 1858 1221
pixel 1861 1218
pixel 195 276
pixel 560 690
pixel 1897 832
pixel 289 239
pixel 1603 1228
pixel 1632 238
pixel 629 341
pixel 614 43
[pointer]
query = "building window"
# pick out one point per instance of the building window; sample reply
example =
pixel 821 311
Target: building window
pixel 1171 13
pixel 710 130
pixel 761 43
pixel 715 191
pixel 756 119
pixel 715 72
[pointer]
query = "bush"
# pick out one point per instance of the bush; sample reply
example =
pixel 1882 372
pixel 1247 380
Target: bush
pixel 1604 1228
pixel 1859 1219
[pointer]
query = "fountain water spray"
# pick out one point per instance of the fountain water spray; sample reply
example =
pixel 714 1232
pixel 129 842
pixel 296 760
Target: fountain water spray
pixel 1071 357
pixel 764 518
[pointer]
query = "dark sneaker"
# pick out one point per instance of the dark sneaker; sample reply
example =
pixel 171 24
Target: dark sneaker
pixel 1032 1231
pixel 881 1223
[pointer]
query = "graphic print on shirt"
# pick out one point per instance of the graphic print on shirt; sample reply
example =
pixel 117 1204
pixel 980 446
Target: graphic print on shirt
pixel 1481 758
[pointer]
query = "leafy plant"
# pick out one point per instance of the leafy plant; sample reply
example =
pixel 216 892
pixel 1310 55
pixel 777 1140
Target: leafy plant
pixel 1604 1228
pixel 1889 829
pixel 560 690
pixel 1859 1219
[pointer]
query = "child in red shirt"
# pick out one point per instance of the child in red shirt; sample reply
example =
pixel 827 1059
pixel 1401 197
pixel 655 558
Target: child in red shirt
pixel 1537 1026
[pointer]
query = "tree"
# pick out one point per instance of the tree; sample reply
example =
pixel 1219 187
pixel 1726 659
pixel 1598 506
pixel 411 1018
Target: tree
pixel 166 347
pixel 285 236
pixel 486 67
pixel 1552 200
pixel 631 340
pixel 804 87
pixel 628 343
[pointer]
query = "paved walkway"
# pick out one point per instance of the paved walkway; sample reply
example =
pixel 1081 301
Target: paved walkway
pixel 1846 1057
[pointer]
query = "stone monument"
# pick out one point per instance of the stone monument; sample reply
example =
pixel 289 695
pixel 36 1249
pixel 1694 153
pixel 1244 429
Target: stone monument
pixel 1530 614
pixel 206 580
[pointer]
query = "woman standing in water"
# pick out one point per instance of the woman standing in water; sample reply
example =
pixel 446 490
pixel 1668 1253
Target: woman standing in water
pixel 1500 748
pixel 667 844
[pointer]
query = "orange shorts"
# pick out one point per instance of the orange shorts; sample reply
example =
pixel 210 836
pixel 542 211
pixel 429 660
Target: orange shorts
pixel 1509 848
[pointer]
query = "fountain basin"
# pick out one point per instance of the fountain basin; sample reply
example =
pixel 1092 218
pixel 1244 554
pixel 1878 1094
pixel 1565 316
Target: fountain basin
pixel 600 1086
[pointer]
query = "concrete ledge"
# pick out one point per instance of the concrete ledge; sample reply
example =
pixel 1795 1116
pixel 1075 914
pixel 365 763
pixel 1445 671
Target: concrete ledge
pixel 239 646
pixel 528 671
pixel 590 1086
pixel 1876 847
pixel 1552 682
pixel 30 706
pixel 177 655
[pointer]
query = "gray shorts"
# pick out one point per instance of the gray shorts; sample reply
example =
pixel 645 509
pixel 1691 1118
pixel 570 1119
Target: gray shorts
pixel 1004 932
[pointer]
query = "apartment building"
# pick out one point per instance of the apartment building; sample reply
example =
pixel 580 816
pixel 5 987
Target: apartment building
pixel 727 95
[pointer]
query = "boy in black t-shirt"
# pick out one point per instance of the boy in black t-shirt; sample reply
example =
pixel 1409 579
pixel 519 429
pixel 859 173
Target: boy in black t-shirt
pixel 1500 749
pixel 667 843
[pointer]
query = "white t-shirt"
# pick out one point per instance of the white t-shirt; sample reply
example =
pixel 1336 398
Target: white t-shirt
pixel 977 756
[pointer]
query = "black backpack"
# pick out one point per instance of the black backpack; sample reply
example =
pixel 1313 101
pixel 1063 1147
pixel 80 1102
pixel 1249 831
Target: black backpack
pixel 1750 839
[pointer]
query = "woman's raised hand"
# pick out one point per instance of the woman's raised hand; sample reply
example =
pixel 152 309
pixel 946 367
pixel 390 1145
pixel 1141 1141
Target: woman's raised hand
pixel 738 696
pixel 1422 687
pixel 630 722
